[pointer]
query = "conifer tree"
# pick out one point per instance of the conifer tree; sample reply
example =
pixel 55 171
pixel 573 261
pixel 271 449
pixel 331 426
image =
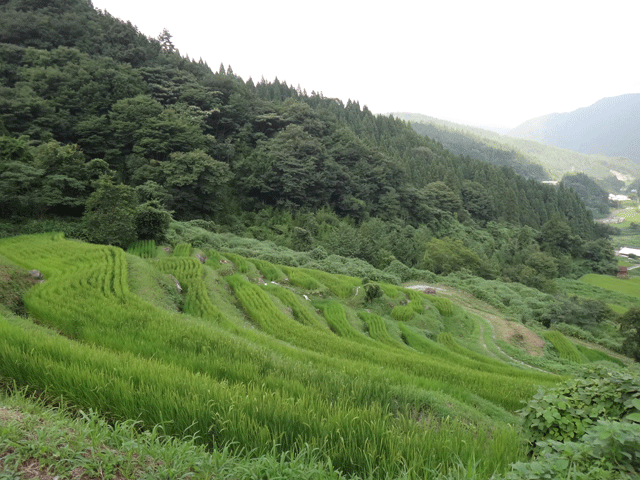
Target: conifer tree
pixel 165 41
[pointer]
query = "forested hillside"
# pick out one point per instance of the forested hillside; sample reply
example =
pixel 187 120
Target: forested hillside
pixel 592 194
pixel 608 127
pixel 86 96
pixel 463 143
pixel 528 157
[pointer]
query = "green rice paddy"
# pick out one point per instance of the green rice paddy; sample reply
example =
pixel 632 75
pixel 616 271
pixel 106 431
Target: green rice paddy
pixel 263 357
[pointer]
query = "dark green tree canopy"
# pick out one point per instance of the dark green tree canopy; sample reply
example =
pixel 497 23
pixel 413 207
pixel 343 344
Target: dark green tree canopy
pixel 110 214
pixel 93 96
pixel 630 324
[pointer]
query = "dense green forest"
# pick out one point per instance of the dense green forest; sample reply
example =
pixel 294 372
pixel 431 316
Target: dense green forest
pixel 89 104
pixel 591 193
pixel 465 143
pixel 527 157
pixel 607 127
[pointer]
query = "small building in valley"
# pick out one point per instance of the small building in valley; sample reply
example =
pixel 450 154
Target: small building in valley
pixel 627 251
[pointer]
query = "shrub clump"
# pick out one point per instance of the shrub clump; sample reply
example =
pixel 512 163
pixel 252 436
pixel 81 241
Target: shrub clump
pixel 587 428
pixel 566 412
pixel 610 450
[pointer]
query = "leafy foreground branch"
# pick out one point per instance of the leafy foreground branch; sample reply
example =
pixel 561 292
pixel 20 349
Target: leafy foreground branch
pixel 584 429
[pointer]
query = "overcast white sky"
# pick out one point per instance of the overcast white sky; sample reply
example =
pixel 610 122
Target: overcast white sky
pixel 490 62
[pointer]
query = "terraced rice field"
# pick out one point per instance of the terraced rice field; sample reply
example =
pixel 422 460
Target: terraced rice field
pixel 630 286
pixel 301 363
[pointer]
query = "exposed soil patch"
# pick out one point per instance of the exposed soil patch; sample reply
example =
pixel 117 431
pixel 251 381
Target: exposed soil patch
pixel 7 415
pixel 515 334
pixel 511 332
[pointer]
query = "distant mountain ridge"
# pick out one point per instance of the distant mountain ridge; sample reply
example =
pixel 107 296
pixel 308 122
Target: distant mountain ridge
pixel 519 153
pixel 469 144
pixel 611 127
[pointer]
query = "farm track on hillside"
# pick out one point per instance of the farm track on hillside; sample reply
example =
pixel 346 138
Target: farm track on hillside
pixel 532 343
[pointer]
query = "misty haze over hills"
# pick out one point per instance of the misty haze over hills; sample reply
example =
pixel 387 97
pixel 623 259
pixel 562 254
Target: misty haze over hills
pixel 530 158
pixel 611 127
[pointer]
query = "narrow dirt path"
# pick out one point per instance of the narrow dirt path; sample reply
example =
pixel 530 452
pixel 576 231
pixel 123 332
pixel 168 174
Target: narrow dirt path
pixel 500 327
pixel 494 320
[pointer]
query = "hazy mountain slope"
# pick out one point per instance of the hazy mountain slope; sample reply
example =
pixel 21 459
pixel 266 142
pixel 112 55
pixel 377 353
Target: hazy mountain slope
pixel 461 143
pixel 556 161
pixel 610 126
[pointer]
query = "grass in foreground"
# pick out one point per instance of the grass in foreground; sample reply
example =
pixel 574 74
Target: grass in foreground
pixel 44 442
pixel 39 441
pixel 349 425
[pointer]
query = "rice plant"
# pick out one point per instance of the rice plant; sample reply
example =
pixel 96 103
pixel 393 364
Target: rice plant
pixel 185 404
pixel 189 271
pixel 465 358
pixel 566 349
pixel 377 328
pixel 182 250
pixel 444 305
pixel 415 300
pixel 242 264
pixel 341 285
pixel 301 279
pixel 389 290
pixel 60 443
pixel 268 270
pixel 286 383
pixel 336 318
pixel 594 355
pixel 402 313
pixel 143 248
pixel 300 312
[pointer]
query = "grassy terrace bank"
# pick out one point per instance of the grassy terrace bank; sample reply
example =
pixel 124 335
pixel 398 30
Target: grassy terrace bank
pixel 245 365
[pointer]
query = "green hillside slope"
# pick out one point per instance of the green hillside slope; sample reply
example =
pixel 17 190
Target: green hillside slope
pixel 260 374
pixel 518 152
pixel 608 127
